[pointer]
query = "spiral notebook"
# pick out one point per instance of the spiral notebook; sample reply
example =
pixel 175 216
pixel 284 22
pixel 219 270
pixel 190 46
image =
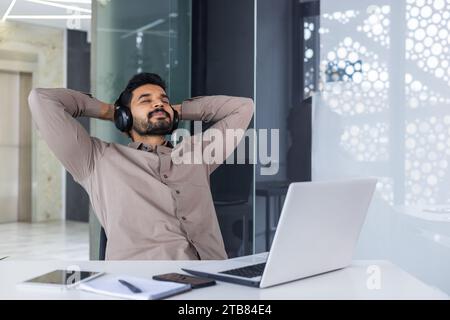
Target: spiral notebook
pixel 109 285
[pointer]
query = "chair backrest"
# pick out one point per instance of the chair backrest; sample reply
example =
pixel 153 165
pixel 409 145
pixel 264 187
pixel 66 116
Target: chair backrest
pixel 102 245
pixel 232 183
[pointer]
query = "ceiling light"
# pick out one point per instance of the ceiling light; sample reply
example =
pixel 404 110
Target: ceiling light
pixel 46 17
pixel 57 5
pixel 11 5
pixel 72 1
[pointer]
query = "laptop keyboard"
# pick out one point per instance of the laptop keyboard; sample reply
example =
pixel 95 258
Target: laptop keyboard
pixel 248 271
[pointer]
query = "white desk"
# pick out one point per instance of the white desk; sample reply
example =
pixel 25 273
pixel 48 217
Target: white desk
pixel 348 283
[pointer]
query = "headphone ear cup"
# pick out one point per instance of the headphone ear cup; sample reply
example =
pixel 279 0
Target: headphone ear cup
pixel 123 118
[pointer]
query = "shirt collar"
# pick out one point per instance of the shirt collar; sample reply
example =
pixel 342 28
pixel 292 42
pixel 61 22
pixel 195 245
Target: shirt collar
pixel 135 145
pixel 145 147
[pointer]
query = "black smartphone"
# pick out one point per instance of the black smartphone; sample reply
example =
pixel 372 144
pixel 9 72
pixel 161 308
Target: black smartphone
pixel 195 282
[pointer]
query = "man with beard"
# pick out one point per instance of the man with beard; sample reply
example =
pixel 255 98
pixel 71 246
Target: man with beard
pixel 151 207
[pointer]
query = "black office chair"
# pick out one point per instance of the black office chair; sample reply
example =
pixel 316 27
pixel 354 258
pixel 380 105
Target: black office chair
pixel 230 188
pixel 103 241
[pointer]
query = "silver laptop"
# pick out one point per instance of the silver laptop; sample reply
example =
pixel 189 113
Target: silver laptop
pixel 317 232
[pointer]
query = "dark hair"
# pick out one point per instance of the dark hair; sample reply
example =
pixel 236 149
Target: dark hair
pixel 135 82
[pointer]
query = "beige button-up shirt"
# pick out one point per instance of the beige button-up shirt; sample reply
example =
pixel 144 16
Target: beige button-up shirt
pixel 150 206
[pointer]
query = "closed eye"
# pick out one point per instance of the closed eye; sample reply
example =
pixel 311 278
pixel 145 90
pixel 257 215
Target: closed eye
pixel 148 101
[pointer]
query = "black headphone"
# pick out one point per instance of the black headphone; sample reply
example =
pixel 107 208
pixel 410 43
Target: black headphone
pixel 123 119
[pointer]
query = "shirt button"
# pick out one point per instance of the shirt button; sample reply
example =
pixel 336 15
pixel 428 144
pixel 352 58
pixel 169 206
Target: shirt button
pixel 165 176
pixel 177 191
pixel 184 218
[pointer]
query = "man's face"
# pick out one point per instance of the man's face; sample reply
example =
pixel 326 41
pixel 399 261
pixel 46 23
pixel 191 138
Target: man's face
pixel 151 110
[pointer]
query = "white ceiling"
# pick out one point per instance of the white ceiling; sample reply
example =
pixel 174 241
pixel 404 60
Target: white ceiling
pixel 44 8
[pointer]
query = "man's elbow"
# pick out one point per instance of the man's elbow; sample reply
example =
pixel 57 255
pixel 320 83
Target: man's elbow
pixel 37 92
pixel 35 96
pixel 248 107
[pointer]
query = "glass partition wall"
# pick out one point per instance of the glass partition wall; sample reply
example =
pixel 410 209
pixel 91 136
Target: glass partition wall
pixel 383 109
pixel 287 72
pixel 135 36
pixel 360 88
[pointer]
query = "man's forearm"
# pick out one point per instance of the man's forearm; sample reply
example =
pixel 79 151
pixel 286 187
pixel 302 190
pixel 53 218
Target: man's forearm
pixel 177 108
pixel 216 108
pixel 106 111
pixel 75 103
pixel 227 113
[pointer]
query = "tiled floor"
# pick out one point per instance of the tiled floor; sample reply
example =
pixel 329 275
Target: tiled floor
pixel 60 240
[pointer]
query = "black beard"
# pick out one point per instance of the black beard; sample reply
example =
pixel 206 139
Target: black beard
pixel 146 128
